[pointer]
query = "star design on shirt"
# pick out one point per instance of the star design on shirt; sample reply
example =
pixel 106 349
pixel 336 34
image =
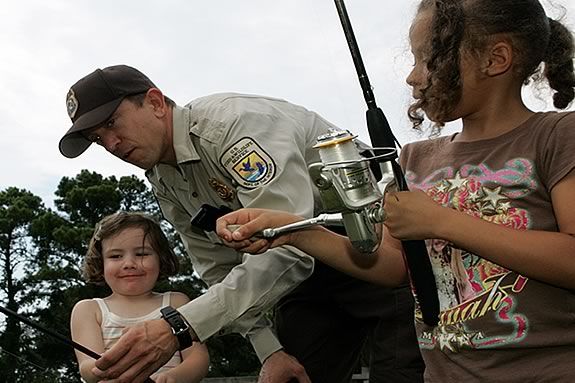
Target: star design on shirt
pixel 493 196
pixel 505 206
pixel 474 195
pixel 456 182
pixel 441 187
pixel 452 338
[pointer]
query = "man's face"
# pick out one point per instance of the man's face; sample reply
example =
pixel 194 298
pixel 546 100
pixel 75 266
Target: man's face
pixel 135 134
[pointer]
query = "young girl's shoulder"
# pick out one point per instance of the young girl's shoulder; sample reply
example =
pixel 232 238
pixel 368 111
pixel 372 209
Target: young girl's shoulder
pixel 86 305
pixel 552 127
pixel 87 309
pixel 424 147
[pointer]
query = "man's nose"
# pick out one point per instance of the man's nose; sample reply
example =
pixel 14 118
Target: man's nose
pixel 110 142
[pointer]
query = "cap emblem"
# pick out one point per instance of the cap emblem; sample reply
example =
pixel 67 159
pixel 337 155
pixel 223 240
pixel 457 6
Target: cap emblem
pixel 71 103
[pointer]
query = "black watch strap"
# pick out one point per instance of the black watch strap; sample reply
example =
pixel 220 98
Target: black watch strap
pixel 180 328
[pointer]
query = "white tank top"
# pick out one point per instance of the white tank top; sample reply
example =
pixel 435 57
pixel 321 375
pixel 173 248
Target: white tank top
pixel 113 325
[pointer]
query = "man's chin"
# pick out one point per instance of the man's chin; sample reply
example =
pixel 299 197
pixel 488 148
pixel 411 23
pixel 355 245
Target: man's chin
pixel 138 164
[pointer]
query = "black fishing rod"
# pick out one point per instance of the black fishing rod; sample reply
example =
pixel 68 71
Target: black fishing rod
pixel 381 136
pixel 55 335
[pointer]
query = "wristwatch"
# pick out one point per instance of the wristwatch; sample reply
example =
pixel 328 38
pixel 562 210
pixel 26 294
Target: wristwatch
pixel 180 327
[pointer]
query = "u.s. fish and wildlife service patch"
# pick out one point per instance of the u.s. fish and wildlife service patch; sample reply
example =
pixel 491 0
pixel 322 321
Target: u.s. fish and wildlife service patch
pixel 248 163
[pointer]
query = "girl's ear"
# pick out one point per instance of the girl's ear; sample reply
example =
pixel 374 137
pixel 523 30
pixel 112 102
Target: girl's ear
pixel 499 59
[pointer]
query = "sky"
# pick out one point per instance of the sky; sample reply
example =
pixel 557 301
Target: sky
pixel 292 49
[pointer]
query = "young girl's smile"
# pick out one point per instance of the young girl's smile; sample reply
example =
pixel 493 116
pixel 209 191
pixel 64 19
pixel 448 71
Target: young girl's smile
pixel 131 265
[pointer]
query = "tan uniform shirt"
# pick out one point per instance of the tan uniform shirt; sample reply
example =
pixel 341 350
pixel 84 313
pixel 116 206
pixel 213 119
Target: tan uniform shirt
pixel 240 151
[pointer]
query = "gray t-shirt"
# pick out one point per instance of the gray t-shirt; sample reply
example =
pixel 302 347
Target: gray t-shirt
pixel 496 325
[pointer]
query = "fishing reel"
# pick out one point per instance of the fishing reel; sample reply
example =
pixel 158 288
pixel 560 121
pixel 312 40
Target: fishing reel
pixel 347 186
pixel 349 192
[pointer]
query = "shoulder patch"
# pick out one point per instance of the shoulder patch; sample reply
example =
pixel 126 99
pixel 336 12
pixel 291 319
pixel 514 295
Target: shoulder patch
pixel 248 163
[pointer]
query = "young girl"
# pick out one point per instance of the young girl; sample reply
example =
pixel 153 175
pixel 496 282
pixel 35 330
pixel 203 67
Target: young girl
pixel 129 252
pixel 494 202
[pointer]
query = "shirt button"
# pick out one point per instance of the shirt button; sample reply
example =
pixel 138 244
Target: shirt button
pixel 195 195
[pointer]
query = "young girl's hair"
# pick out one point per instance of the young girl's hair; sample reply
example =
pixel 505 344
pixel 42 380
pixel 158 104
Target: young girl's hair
pixel 468 26
pixel 93 268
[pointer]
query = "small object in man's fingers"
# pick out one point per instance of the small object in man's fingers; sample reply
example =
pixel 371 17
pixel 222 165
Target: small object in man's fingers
pixel 254 238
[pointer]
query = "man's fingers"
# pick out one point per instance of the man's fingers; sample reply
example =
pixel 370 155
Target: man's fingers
pixel 259 246
pixel 225 227
pixel 138 372
pixel 116 369
pixel 111 357
pixel 123 357
pixel 116 356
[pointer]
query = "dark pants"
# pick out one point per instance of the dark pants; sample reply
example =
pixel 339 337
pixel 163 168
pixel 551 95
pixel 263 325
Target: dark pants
pixel 329 318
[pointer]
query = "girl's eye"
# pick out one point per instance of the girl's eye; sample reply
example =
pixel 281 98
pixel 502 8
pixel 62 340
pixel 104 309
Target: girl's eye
pixel 142 254
pixel 114 256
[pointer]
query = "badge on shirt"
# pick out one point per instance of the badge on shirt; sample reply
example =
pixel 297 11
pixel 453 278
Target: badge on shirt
pixel 224 191
pixel 248 163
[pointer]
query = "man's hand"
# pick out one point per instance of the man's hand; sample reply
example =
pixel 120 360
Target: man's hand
pixel 251 222
pixel 281 367
pixel 140 351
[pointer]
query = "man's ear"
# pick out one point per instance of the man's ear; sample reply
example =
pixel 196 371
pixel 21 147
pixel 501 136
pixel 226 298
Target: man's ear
pixel 499 59
pixel 155 98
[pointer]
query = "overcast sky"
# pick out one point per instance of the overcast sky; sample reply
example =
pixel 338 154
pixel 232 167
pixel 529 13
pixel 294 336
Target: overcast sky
pixel 292 49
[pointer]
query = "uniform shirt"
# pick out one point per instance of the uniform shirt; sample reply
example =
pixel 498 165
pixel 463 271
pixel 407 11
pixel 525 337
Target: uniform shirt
pixel 113 326
pixel 495 324
pixel 240 151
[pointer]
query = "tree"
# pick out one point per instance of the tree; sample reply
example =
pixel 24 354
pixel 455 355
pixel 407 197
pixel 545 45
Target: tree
pixel 18 208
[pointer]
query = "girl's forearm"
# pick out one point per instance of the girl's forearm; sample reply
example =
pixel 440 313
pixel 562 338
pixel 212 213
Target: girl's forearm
pixel 385 266
pixel 541 255
pixel 86 367
pixel 194 367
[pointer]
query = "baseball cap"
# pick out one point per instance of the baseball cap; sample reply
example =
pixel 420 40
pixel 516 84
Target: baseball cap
pixel 94 98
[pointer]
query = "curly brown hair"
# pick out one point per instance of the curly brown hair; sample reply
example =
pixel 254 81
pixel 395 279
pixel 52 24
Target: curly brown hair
pixel 93 266
pixel 467 25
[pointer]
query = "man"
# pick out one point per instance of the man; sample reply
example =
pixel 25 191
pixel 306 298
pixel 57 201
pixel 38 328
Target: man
pixel 237 151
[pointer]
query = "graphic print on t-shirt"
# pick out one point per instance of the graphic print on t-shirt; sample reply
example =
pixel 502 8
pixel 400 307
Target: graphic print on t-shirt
pixel 469 287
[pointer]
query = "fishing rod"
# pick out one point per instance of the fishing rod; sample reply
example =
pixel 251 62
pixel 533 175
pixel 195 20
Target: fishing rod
pixel 416 256
pixel 55 335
